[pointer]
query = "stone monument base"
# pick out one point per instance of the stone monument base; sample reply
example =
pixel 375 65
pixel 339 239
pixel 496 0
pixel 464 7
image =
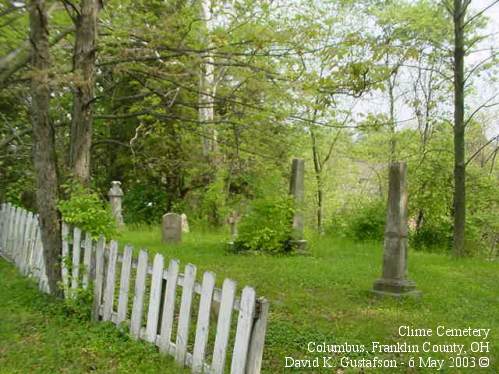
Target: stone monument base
pixel 298 246
pixel 395 288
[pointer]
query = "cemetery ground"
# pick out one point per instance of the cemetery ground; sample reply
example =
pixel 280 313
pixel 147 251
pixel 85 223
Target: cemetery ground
pixel 325 296
pixel 320 297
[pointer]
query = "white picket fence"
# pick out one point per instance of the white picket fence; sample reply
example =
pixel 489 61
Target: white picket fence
pixel 155 313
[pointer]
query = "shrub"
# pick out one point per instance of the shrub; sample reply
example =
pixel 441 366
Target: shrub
pixel 85 210
pixel 433 237
pixel 360 220
pixel 267 226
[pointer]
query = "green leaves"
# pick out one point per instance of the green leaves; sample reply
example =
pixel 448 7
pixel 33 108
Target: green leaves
pixel 267 226
pixel 85 210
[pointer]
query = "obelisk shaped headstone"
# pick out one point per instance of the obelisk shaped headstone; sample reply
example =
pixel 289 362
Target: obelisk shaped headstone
pixel 115 195
pixel 394 280
pixel 297 190
pixel 171 228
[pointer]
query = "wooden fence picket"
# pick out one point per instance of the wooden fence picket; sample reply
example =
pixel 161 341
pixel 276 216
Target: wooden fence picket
pixel 87 261
pixel 138 298
pixel 99 277
pixel 17 224
pixel 223 326
pixel 154 299
pixel 126 270
pixel 255 353
pixel 243 331
pixel 202 326
pixel 76 253
pixel 32 250
pixel 25 246
pixel 184 318
pixel 110 278
pixel 169 307
pixel 65 259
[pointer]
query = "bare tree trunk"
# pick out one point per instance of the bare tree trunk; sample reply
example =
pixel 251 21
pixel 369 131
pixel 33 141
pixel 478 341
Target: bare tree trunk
pixel 84 81
pixel 44 155
pixel 207 85
pixel 459 12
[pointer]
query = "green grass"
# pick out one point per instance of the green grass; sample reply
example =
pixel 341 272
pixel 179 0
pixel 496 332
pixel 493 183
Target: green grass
pixel 37 335
pixel 321 297
pixel 324 297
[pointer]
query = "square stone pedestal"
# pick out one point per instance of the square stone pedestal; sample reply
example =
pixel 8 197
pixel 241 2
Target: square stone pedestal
pixel 395 288
pixel 298 246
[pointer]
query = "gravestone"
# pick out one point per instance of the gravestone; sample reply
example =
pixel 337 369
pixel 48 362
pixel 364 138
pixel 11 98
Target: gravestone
pixel 171 228
pixel 233 220
pixel 115 195
pixel 185 222
pixel 297 190
pixel 394 280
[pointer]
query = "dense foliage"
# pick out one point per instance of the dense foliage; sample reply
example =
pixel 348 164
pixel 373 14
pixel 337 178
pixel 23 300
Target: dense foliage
pixel 267 226
pixel 85 210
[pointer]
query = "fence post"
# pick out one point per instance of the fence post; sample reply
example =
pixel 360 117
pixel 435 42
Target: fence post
pixel 257 341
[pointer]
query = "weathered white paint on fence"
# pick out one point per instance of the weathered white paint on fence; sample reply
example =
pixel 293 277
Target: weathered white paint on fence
pixel 169 307
pixel 76 258
pixel 20 241
pixel 223 326
pixel 138 299
pixel 110 281
pixel 99 276
pixel 22 231
pixel 154 299
pixel 243 332
pixel 87 261
pixel 126 268
pixel 65 259
pixel 255 354
pixel 185 314
pixel 202 326
pixel 37 254
pixel 25 246
pixel 17 228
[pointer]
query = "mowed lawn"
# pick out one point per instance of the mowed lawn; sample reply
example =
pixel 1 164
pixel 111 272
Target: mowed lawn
pixel 38 336
pixel 324 296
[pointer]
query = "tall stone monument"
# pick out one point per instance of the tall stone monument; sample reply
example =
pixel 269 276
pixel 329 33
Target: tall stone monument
pixel 394 280
pixel 115 195
pixel 297 190
pixel 171 228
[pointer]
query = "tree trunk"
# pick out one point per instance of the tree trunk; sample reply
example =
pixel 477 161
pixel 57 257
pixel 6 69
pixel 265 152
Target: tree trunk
pixel 391 96
pixel 459 127
pixel 84 81
pixel 319 184
pixel 207 86
pixel 44 155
